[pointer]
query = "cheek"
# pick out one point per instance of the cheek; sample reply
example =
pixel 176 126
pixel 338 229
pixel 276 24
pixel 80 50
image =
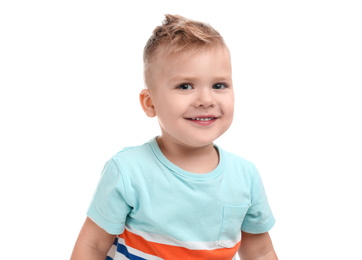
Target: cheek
pixel 172 106
pixel 167 110
pixel 228 105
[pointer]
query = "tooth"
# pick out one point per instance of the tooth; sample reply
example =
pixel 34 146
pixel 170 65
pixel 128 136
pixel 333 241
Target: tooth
pixel 202 118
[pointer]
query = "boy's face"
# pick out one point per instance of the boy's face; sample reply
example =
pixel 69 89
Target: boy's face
pixel 192 96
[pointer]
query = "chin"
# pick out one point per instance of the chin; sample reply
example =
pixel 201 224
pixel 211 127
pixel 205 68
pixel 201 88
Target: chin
pixel 201 142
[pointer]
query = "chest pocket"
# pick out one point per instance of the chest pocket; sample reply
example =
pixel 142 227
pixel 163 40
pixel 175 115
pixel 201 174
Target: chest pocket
pixel 230 232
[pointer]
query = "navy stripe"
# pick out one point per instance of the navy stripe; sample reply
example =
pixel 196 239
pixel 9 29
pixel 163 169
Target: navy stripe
pixel 123 250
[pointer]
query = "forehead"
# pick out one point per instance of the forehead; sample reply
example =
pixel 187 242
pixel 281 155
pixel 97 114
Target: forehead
pixel 214 59
pixel 189 53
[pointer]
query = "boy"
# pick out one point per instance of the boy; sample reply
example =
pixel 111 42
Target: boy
pixel 179 196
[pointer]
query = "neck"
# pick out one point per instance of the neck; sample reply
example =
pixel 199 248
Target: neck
pixel 193 159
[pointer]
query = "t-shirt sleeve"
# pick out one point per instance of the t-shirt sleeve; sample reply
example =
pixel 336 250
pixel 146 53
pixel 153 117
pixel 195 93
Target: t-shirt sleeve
pixel 108 208
pixel 259 217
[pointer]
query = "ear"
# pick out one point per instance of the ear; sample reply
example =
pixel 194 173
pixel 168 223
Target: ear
pixel 147 103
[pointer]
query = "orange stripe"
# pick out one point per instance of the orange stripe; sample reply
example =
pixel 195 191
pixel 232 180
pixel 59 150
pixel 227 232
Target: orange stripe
pixel 173 252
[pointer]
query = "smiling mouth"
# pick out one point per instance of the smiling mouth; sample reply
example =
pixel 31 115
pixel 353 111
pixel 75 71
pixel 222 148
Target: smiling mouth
pixel 202 118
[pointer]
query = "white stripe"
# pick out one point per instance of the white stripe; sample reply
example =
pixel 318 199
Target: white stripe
pixel 193 245
pixel 119 256
pixel 112 251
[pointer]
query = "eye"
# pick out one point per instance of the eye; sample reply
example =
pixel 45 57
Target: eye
pixel 219 86
pixel 184 86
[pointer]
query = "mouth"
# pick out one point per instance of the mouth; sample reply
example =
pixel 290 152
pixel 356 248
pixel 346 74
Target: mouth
pixel 203 120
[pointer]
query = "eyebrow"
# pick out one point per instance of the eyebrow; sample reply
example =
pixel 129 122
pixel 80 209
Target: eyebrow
pixel 187 78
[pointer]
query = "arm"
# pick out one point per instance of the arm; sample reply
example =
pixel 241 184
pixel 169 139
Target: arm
pixel 93 242
pixel 256 247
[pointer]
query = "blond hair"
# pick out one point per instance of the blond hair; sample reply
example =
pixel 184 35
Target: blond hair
pixel 176 35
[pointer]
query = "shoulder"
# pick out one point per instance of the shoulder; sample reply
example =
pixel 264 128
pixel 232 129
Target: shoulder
pixel 240 169
pixel 236 161
pixel 133 152
pixel 134 155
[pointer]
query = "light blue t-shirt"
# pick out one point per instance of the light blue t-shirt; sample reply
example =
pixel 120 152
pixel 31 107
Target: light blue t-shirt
pixel 160 208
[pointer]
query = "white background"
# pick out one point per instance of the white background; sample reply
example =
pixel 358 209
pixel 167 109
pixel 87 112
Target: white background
pixel 70 74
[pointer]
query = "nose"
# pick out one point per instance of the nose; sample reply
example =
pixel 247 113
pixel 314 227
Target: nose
pixel 205 98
